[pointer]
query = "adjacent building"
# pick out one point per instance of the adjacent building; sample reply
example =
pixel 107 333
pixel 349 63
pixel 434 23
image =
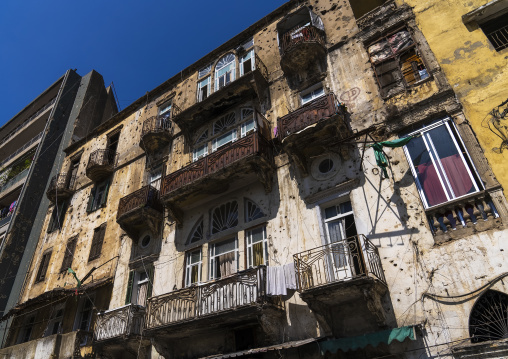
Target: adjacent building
pixel 31 145
pixel 311 188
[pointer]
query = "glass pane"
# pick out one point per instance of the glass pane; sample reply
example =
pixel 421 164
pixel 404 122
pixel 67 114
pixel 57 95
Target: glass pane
pixel 455 169
pixel 195 257
pixel 331 212
pixel 194 274
pixel 257 253
pixel 165 109
pixel 334 231
pixel 426 172
pixel 226 138
pixel 248 126
pixel 257 235
pixel 346 207
pixel 225 246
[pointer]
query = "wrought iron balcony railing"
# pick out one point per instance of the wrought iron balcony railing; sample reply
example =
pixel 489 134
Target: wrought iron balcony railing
pixel 100 164
pixel 351 258
pixel 249 146
pixel 300 35
pixel 462 213
pixel 309 114
pixel 243 289
pixel 147 196
pixel 160 123
pixel 61 186
pixel 119 323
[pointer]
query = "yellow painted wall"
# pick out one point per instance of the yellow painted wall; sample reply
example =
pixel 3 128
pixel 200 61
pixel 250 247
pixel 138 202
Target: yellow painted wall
pixel 477 73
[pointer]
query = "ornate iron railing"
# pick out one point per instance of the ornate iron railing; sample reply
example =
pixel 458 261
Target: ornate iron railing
pixel 309 114
pixel 300 35
pixel 339 261
pixel 147 196
pixel 251 145
pixel 61 182
pixel 499 38
pixel 120 322
pixel 246 288
pixel 102 158
pixel 462 213
pixel 160 123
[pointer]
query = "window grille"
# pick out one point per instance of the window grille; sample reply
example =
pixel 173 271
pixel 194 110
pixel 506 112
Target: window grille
pixel 225 217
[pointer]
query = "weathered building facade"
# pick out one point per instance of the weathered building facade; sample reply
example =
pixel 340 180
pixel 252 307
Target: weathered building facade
pixel 469 41
pixel 310 188
pixel 31 152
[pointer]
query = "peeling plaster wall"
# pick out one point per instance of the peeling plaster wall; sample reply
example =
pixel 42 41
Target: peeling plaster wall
pixel 477 73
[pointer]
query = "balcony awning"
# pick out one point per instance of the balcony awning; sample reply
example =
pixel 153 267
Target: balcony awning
pixel 360 342
pixel 287 345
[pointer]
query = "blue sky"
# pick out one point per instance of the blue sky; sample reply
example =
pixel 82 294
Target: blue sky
pixel 136 44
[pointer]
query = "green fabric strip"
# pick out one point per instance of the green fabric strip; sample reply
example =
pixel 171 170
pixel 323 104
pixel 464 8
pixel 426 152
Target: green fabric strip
pixel 374 339
pixel 75 276
pixel 381 160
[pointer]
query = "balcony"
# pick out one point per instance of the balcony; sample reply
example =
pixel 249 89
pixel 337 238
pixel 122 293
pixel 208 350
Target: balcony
pixel 215 172
pixel 157 132
pixel 140 210
pixel 101 164
pixel 344 277
pixel 463 216
pixel 251 84
pixel 61 187
pixel 118 330
pixel 15 181
pixel 313 128
pixel 234 300
pixel 301 47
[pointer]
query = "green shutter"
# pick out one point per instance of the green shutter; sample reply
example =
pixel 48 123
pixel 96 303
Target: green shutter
pixel 105 194
pixel 128 296
pixel 150 272
pixel 90 200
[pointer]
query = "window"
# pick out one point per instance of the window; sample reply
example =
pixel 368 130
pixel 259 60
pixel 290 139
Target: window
pixel 225 217
pixel 97 240
pixel 223 140
pixel 197 232
pixel 73 173
pixel 26 330
pixel 139 287
pixel 440 164
pixel 193 263
pixel 489 317
pixel 341 236
pixel 57 216
pixel 155 177
pixel 496 30
pixel 165 111
pixel 225 71
pixel 252 211
pixel 200 151
pixel 257 249
pixel 113 144
pixel 98 196
pixel 223 123
pixel 248 123
pixel 223 258
pixel 70 247
pixel 247 63
pixel 396 62
pixel 84 313
pixel 43 267
pixel 204 88
pixel 55 320
pixel 312 94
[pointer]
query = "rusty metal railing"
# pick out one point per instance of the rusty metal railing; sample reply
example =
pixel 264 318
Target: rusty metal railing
pixel 102 158
pixel 61 182
pixel 119 322
pixel 344 260
pixel 299 35
pixel 147 196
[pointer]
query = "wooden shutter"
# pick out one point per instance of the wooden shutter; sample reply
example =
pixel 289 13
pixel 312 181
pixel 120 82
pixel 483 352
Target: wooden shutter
pixel 150 273
pixel 130 283
pixel 98 239
pixel 69 253
pixel 43 268
pixel 105 194
pixel 90 199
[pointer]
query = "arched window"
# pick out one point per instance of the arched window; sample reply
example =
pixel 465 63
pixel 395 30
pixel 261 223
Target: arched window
pixel 252 211
pixel 200 150
pixel 225 71
pixel 224 217
pixel 197 233
pixel 489 317
pixel 224 123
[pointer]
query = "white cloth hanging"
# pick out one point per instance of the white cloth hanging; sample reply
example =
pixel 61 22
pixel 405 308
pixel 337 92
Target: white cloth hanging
pixel 275 281
pixel 290 275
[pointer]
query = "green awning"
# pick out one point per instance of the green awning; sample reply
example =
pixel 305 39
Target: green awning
pixel 374 339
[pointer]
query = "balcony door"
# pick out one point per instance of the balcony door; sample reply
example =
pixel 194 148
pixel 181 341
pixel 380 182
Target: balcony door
pixel 342 243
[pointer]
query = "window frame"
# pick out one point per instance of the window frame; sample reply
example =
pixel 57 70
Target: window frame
pixel 55 319
pixel 189 266
pixel 199 95
pixel 311 90
pixel 70 248
pixel 249 244
pixel 57 217
pixel 385 93
pixel 95 202
pixel 243 59
pixel 43 266
pixel 461 148
pixel 26 328
pixel 232 72
pixel 97 242
pixel 212 257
